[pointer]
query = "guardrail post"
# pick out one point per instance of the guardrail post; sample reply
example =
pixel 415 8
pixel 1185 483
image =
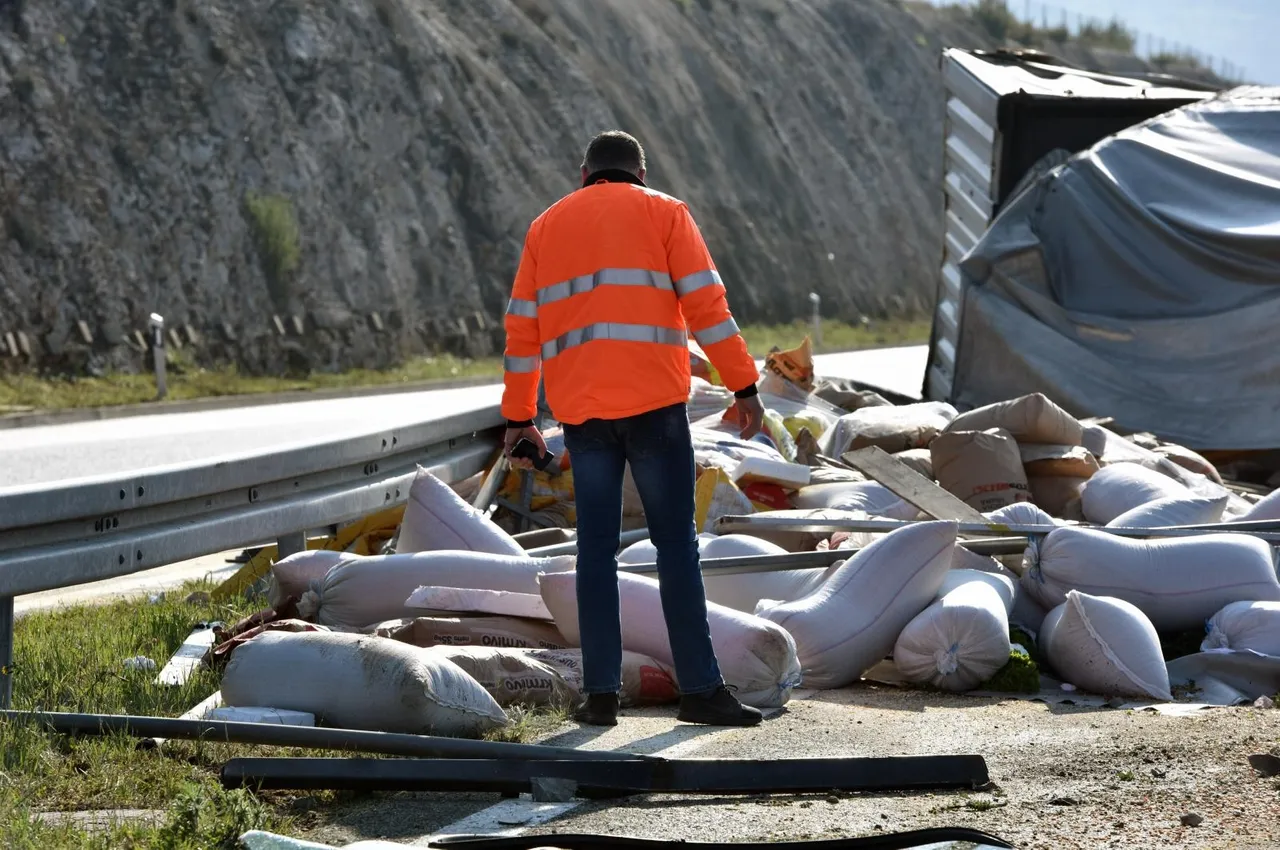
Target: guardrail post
pixel 6 651
pixel 291 544
pixel 157 353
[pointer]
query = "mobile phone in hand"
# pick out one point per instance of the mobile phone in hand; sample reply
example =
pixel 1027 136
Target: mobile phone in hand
pixel 525 449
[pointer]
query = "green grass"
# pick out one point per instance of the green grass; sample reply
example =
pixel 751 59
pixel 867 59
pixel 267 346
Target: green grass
pixel 276 230
pixel 30 391
pixel 186 381
pixel 72 660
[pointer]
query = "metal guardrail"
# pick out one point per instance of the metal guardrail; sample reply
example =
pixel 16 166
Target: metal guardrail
pixel 86 530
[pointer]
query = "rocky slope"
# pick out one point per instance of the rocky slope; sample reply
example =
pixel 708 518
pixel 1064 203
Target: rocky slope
pixel 316 184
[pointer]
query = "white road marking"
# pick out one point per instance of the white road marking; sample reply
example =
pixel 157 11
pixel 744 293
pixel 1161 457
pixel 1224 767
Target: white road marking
pixel 513 817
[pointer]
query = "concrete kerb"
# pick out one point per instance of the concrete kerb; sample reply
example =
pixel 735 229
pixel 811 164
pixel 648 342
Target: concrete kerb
pixel 90 414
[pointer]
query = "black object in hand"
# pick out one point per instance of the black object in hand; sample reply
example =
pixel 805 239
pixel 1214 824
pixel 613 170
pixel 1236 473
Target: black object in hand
pixel 524 448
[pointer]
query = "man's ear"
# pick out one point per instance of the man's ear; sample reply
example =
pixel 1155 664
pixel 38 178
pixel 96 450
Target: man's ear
pixel 640 174
pixel 585 175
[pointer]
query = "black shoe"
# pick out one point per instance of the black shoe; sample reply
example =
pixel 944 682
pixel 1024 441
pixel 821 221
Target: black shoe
pixel 717 708
pixel 598 710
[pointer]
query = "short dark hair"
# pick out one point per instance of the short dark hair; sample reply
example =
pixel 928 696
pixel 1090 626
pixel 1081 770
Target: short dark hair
pixel 614 149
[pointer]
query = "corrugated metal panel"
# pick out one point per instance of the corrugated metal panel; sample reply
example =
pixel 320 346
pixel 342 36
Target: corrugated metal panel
pixel 976 84
pixel 969 165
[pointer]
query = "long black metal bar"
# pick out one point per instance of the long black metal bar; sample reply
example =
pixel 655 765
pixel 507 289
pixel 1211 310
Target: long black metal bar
pixel 613 777
pixel 912 840
pixel 308 737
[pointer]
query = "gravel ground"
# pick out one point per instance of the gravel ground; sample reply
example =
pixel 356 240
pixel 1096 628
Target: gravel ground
pixel 1064 777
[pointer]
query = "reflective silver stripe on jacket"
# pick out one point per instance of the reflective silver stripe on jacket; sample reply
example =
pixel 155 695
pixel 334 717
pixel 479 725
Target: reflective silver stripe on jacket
pixel 614 331
pixel 522 307
pixel 520 364
pixel 604 277
pixel 697 280
pixel 718 332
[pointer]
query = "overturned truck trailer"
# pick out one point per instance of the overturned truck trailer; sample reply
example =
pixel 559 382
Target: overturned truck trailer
pixel 1115 244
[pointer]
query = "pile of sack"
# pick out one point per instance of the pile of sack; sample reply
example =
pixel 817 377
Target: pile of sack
pixel 460 622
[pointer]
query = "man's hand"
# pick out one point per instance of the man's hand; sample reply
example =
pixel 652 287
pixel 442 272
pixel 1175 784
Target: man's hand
pixel 750 416
pixel 514 435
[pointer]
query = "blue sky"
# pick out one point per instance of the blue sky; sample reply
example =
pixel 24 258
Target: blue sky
pixel 1244 32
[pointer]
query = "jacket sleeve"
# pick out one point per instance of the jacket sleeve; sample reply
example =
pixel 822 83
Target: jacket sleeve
pixel 521 365
pixel 704 303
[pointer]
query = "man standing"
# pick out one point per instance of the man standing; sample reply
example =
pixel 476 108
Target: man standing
pixel 612 279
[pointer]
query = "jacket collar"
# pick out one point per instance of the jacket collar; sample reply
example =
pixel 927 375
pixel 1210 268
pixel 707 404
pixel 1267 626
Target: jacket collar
pixel 612 175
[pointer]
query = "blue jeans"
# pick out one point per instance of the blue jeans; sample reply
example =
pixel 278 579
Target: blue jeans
pixel 660 450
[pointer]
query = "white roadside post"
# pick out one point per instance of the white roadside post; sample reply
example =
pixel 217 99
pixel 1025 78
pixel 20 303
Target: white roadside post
pixel 816 300
pixel 157 352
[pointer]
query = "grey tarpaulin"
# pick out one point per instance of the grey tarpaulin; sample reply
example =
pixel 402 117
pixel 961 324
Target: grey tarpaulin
pixel 1141 280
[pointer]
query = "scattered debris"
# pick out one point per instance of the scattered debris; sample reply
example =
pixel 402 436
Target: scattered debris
pixel 1191 819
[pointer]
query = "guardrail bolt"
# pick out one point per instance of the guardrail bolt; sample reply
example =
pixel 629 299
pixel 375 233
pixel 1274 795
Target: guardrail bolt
pixel 253 494
pixel 141 490
pixel 123 495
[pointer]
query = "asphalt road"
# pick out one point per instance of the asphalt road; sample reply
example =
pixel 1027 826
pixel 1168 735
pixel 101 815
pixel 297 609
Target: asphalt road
pixel 42 455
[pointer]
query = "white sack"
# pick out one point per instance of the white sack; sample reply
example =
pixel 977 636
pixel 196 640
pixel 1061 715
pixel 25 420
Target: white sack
pixel 869 497
pixel 744 591
pixel 1021 513
pixel 963 559
pixel 755 656
pixel 1245 626
pixel 1178 510
pixel 365 590
pixel 1267 508
pixel 1120 451
pixel 644 552
pixel 1106 646
pixel 292 576
pixel 1026 612
pixel 359 682
pixel 958 642
pixel 1178 582
pixel 1116 489
pixel 1005 587
pixel 849 624
pixel 437 519
pixel 894 429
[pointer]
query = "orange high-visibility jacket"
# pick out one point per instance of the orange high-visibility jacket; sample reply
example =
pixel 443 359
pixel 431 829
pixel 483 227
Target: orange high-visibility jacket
pixel 612 280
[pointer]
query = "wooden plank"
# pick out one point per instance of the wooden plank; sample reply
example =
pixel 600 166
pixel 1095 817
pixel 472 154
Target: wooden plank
pixel 910 485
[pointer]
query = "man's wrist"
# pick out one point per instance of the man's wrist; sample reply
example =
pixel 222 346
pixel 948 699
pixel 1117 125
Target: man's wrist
pixel 747 392
pixel 518 426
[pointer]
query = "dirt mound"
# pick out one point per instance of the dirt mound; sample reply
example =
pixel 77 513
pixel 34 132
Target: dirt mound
pixel 330 183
